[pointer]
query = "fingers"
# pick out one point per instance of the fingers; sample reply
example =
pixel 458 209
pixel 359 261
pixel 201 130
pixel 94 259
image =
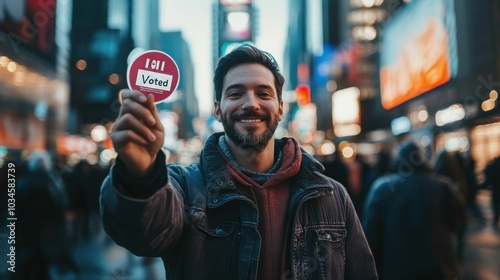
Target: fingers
pixel 131 94
pixel 136 104
pixel 135 129
pixel 138 119
pixel 121 138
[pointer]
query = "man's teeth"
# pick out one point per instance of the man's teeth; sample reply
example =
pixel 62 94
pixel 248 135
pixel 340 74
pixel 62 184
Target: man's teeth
pixel 250 121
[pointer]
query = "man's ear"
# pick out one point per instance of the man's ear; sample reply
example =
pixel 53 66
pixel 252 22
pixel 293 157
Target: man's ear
pixel 281 111
pixel 217 111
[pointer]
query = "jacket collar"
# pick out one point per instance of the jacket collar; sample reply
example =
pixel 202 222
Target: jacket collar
pixel 220 186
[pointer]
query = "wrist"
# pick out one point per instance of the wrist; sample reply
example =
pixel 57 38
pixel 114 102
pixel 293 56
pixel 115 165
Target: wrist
pixel 141 169
pixel 144 184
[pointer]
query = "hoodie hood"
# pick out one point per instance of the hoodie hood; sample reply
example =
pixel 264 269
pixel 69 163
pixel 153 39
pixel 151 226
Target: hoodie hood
pixel 290 165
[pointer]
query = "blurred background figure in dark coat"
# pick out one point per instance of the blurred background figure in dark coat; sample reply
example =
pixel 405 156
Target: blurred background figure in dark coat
pixel 411 219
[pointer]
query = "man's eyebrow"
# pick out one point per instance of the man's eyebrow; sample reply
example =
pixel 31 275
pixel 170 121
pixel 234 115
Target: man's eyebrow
pixel 234 86
pixel 240 86
pixel 265 86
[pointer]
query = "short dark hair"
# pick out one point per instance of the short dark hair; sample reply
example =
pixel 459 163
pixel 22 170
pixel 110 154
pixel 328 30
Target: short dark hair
pixel 246 54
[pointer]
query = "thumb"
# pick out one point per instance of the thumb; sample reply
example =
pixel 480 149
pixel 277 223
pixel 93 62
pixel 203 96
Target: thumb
pixel 150 104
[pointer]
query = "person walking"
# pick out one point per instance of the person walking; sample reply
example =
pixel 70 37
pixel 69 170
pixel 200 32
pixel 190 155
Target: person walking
pixel 42 239
pixel 411 220
pixel 492 179
pixel 252 207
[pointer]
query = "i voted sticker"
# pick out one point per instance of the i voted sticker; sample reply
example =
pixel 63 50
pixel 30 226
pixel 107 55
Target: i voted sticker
pixel 153 72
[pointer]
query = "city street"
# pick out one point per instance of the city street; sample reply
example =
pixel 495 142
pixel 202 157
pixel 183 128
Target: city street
pixel 100 258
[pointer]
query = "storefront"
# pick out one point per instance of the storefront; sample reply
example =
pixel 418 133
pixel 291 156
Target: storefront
pixel 33 83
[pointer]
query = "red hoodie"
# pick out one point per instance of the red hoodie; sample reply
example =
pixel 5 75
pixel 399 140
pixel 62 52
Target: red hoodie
pixel 272 200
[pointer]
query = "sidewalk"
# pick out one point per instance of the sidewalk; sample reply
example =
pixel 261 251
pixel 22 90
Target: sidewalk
pixel 100 258
pixel 482 249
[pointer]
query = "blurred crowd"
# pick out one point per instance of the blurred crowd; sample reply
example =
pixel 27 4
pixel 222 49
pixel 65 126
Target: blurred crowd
pixel 359 176
pixel 415 208
pixel 58 205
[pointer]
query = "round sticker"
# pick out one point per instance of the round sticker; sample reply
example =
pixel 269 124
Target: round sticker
pixel 153 72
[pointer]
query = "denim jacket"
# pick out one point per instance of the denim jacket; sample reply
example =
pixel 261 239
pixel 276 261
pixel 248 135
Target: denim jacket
pixel 204 228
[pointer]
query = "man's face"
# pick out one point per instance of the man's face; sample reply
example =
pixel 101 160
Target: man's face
pixel 249 108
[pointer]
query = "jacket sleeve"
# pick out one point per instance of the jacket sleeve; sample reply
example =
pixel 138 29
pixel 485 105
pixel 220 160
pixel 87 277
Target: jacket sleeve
pixel 359 259
pixel 143 215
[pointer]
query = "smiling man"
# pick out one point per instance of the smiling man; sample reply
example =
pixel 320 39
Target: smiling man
pixel 252 207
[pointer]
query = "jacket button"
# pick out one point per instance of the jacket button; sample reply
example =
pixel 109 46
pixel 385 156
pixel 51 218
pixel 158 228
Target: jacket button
pixel 219 182
pixel 239 236
pixel 230 183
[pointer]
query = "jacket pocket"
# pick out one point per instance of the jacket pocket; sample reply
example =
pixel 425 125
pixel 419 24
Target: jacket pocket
pixel 217 229
pixel 333 237
pixel 320 252
pixel 330 252
pixel 214 250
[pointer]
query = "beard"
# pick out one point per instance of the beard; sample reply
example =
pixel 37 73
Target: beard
pixel 250 139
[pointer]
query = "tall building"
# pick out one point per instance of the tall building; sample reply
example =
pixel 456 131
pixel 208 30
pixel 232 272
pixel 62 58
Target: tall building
pixel 184 101
pixel 296 52
pixel 145 28
pixel 425 69
pixel 365 20
pixel 102 40
pixel 304 41
pixel 234 24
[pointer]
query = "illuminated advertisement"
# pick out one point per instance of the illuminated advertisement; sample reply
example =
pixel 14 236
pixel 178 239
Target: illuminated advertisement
pixel 346 112
pixel 237 23
pixel 235 27
pixel 419 51
pixel 29 24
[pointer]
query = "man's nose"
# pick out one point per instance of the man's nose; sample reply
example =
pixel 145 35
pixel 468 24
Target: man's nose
pixel 250 102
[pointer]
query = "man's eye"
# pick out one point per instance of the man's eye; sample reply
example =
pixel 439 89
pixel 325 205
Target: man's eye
pixel 264 94
pixel 234 94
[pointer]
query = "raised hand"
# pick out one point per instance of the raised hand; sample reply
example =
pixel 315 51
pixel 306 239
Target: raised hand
pixel 137 134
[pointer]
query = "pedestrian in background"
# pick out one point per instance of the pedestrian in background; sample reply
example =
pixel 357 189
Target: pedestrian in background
pixel 468 165
pixel 336 169
pixel 252 207
pixel 84 183
pixel 41 233
pixel 358 171
pixel 381 167
pixel 492 179
pixel 411 219
pixel 448 165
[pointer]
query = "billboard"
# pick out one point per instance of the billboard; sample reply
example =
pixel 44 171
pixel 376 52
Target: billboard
pixel 236 26
pixel 418 51
pixel 237 23
pixel 346 114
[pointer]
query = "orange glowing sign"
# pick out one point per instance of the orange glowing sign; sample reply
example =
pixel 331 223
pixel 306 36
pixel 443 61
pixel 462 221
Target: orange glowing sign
pixel 421 60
